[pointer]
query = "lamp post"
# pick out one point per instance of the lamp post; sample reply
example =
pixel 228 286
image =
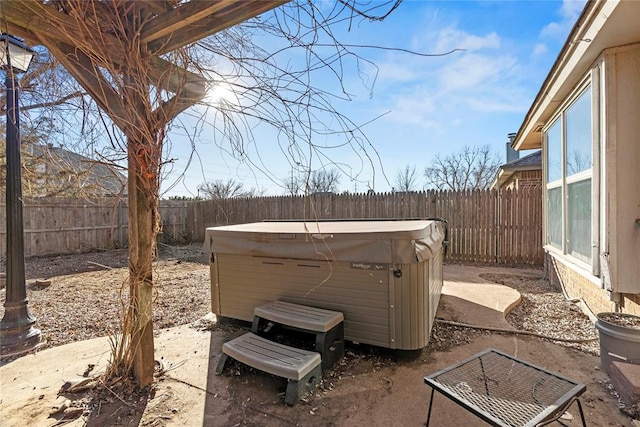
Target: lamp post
pixel 17 333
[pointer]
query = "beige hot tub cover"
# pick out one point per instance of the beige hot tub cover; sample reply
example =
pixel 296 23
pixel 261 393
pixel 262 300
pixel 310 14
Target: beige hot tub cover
pixel 397 242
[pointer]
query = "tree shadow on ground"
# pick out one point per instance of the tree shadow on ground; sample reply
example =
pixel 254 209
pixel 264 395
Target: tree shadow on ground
pixel 122 404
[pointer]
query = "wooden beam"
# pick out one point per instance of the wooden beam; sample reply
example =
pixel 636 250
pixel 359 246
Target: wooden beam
pixel 180 17
pixel 17 30
pixel 152 7
pixel 238 12
pixel 31 18
pixel 175 79
pixel 38 19
pixel 189 89
pixel 141 239
pixel 192 21
pixel 164 75
pixel 174 106
pixel 90 78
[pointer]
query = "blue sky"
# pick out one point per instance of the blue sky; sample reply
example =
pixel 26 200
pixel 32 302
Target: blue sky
pixel 426 105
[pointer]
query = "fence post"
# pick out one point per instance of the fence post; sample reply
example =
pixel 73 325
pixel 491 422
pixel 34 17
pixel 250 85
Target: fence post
pixel 120 224
pixel 497 219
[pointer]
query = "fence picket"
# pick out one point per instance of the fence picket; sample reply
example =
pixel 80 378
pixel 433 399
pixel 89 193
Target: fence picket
pixel 484 225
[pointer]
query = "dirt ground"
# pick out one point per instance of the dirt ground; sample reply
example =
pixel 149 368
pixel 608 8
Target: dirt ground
pixel 369 386
pixel 87 292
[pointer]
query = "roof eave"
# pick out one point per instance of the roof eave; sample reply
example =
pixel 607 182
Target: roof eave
pixel 576 55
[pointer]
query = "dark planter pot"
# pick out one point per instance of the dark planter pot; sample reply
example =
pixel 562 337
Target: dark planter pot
pixel 619 339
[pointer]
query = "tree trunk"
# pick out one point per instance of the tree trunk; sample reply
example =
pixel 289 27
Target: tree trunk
pixel 142 212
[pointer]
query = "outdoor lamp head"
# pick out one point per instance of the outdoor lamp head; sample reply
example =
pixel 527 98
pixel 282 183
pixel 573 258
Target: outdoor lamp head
pixel 14 53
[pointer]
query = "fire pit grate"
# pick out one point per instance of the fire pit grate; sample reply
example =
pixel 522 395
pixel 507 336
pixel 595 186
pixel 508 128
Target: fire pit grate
pixel 506 391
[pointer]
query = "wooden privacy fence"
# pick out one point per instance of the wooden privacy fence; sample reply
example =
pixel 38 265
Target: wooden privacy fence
pixel 484 225
pixel 65 226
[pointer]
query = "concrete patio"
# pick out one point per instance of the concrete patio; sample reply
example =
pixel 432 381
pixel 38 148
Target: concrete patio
pixel 365 393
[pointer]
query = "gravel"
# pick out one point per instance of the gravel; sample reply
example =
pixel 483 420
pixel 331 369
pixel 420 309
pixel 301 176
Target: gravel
pixel 88 292
pixel 544 310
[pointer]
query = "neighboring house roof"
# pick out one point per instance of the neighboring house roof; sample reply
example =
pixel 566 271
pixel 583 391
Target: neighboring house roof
pixel 94 178
pixel 588 38
pixel 529 162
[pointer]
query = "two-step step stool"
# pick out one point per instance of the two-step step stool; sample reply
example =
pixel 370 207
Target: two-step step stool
pixel 302 368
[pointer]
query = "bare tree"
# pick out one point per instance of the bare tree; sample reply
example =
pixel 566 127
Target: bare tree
pixel 578 161
pixel 294 184
pixel 134 76
pixel 406 179
pixel 324 181
pixel 305 182
pixel 472 168
pixel 229 189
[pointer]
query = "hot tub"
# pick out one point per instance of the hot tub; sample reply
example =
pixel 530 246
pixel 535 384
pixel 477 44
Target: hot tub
pixel 384 276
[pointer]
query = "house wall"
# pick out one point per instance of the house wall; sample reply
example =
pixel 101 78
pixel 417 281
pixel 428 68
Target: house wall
pixel 613 283
pixel 621 189
pixel 579 283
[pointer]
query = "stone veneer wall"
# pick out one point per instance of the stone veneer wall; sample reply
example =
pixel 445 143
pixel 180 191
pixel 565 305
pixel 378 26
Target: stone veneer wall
pixel 578 285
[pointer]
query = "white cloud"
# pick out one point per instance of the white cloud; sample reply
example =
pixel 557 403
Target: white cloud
pixel 471 72
pixel 465 84
pixel 555 30
pixel 487 78
pixel 491 76
pixel 451 38
pixel 496 103
pixel 569 12
pixel 402 68
pixel 395 70
pixel 571 9
pixel 538 50
pixel 415 109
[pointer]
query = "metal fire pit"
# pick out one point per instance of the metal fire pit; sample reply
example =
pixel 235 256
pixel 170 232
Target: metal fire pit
pixel 505 391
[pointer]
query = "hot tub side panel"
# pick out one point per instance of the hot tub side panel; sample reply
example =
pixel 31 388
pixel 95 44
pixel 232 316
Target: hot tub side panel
pixel 436 277
pixel 243 282
pixel 408 304
pixel 412 298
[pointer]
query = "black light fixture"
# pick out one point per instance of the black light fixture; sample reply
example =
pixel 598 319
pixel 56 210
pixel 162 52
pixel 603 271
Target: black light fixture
pixel 17 334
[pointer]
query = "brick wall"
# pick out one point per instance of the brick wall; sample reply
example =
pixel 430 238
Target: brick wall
pixel 529 178
pixel 578 285
pixel 632 304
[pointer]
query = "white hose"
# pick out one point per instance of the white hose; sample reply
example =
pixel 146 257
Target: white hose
pixel 583 305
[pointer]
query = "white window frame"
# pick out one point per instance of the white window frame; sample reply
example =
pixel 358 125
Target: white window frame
pixel 591 80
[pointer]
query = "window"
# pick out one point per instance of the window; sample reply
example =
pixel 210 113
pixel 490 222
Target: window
pixel 578 134
pixel 554 217
pixel 579 219
pixel 554 153
pixel 554 185
pixel 568 184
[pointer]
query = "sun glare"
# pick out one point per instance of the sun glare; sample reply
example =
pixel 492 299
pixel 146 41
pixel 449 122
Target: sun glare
pixel 221 92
